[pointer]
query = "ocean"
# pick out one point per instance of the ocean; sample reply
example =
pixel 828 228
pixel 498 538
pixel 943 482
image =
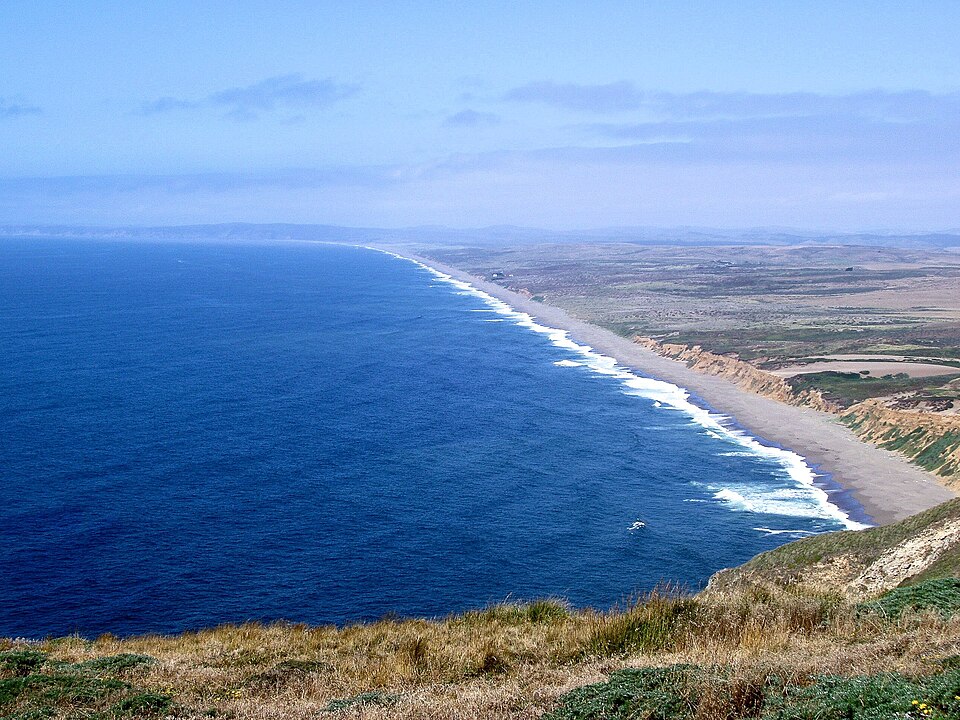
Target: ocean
pixel 197 434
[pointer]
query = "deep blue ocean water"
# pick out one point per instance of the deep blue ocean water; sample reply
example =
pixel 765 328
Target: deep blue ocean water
pixel 199 434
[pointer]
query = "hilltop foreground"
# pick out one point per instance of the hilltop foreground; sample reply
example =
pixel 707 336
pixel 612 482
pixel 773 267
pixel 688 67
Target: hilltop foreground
pixel 844 625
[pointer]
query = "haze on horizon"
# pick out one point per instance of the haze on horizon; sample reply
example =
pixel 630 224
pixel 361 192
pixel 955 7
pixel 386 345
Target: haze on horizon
pixel 819 115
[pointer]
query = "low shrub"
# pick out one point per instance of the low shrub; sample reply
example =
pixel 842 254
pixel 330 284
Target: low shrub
pixel 21 662
pixel 367 698
pixel 869 697
pixel 686 692
pixel 142 705
pixel 114 664
pixel 942 595
pixel 666 693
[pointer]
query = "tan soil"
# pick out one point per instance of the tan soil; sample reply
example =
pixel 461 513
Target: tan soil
pixel 876 369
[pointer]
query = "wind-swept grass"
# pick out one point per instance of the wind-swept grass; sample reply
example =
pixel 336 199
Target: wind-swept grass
pixel 718 653
pixel 760 642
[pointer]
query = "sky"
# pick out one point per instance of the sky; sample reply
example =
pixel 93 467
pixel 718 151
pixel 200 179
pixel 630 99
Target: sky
pixel 561 115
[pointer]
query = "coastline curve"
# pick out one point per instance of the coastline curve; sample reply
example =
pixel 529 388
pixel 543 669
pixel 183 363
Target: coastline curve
pixel 669 395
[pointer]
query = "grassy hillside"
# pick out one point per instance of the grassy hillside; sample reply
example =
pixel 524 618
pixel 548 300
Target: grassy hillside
pixel 765 640
pixel 837 560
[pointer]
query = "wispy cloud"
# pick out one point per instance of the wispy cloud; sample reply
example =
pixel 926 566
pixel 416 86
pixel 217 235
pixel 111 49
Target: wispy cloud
pixel 12 109
pixel 612 97
pixel 471 118
pixel 624 96
pixel 875 105
pixel 166 104
pixel 808 139
pixel 247 102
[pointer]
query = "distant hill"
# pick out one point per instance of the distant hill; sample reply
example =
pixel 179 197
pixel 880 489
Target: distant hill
pixel 493 235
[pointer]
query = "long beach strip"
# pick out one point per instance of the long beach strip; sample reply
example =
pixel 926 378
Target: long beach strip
pixel 886 485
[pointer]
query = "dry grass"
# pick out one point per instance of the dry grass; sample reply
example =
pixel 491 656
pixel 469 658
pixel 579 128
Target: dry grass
pixel 512 661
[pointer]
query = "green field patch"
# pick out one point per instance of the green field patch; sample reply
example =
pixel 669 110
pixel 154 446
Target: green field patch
pixel 849 388
pixel 32 686
pixel 942 595
pixel 690 692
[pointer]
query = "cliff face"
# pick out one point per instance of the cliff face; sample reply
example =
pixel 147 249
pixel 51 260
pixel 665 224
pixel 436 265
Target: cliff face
pixel 860 564
pixel 931 440
pixel 741 373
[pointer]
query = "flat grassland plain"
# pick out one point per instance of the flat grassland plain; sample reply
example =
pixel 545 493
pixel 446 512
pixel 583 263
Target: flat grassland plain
pixel 766 303
pixel 850 323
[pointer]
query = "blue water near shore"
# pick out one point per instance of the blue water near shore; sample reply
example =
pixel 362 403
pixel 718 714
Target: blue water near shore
pixel 199 434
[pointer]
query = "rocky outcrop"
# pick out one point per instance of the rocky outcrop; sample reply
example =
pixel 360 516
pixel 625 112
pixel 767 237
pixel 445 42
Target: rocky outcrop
pixel 858 564
pixel 905 561
pixel 741 373
pixel 854 576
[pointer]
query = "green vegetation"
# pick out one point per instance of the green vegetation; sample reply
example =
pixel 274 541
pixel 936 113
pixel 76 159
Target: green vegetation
pixel 32 685
pixel 114 664
pixel 848 388
pixel 21 662
pixel 664 693
pixel 654 624
pixel 689 692
pixel 537 611
pixel 942 595
pixel 931 455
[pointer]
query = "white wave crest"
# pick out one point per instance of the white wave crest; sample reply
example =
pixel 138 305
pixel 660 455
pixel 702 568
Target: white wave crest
pixel 770 531
pixel 805 499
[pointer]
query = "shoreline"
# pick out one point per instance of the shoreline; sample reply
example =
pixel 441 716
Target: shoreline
pixel 858 478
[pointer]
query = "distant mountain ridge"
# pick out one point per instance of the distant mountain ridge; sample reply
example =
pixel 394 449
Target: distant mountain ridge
pixel 492 235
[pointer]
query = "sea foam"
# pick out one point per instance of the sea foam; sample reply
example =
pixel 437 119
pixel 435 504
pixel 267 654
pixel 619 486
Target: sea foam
pixel 803 499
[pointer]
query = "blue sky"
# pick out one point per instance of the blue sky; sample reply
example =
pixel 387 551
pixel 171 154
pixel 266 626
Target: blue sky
pixel 562 115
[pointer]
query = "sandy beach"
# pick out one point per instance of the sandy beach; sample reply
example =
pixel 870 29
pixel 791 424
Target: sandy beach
pixel 884 484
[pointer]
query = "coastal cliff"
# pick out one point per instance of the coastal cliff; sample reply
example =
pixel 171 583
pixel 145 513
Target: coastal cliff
pixel 741 373
pixel 929 439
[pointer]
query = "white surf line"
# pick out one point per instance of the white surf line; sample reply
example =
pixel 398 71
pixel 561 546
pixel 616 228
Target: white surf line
pixel 770 531
pixel 664 393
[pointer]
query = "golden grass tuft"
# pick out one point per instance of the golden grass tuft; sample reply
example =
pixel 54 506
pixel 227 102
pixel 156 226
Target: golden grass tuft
pixel 514 661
